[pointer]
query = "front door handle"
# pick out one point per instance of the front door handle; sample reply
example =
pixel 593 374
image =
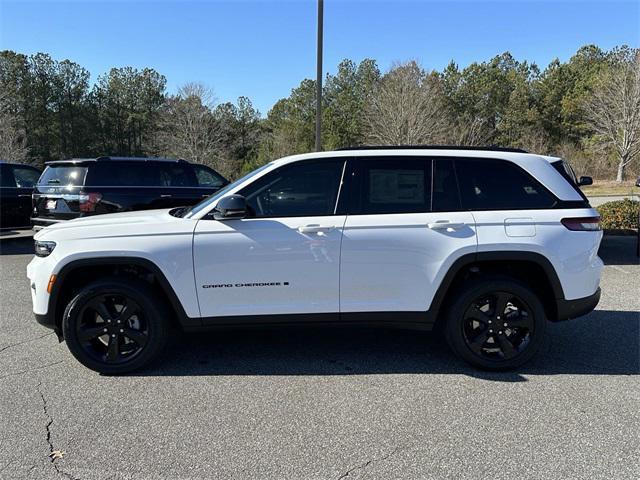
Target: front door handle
pixel 446 225
pixel 167 195
pixel 23 195
pixel 314 228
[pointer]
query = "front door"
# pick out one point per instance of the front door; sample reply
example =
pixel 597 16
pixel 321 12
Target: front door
pixel 284 258
pixel 403 232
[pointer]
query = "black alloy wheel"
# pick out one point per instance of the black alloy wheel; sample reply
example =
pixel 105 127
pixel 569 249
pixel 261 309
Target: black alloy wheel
pixel 495 322
pixel 116 325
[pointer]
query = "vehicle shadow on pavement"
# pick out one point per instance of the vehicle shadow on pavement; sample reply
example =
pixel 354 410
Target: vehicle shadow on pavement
pixel 16 246
pixel 602 343
pixel 619 250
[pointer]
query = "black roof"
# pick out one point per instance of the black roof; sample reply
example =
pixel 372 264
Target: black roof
pixel 491 148
pixel 116 159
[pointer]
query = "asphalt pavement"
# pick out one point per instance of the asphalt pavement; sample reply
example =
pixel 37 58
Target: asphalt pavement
pixel 326 403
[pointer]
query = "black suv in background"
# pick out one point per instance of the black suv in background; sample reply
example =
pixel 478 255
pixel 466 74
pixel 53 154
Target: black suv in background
pixel 76 188
pixel 16 185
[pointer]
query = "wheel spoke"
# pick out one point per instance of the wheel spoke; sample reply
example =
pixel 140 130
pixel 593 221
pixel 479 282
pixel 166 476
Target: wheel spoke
pixel 521 321
pixel 506 346
pixel 502 299
pixel 102 310
pixel 479 315
pixel 478 342
pixel 127 311
pixel 89 333
pixel 136 335
pixel 112 349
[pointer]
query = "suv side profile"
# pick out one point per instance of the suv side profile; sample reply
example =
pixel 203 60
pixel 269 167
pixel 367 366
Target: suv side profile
pixel 77 188
pixel 485 245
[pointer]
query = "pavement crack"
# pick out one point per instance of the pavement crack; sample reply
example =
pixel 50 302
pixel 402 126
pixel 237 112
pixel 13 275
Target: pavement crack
pixel 25 341
pixel 40 367
pixel 370 462
pixel 45 410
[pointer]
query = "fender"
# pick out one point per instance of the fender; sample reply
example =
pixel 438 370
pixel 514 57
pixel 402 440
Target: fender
pixel 506 255
pixel 50 319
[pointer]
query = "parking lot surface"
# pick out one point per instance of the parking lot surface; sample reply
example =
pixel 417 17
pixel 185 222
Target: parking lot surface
pixel 326 404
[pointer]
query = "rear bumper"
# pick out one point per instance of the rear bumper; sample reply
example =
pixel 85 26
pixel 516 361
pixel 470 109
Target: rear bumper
pixel 568 309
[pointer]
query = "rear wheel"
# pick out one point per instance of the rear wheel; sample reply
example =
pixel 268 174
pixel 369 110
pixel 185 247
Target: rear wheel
pixel 113 326
pixel 495 323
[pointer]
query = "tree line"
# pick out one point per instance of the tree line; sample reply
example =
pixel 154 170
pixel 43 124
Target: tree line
pixel 586 110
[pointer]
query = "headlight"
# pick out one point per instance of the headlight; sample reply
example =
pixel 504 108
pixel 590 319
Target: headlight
pixel 44 249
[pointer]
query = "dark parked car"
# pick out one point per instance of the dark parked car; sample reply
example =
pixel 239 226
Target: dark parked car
pixel 16 185
pixel 76 188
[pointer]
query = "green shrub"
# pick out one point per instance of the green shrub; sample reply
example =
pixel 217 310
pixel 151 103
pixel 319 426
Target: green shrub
pixel 620 215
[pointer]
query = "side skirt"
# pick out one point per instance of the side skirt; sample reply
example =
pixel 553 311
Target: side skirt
pixel 409 320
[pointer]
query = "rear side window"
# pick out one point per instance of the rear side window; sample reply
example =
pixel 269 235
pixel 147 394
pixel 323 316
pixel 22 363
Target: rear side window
pixel 177 175
pixel 25 177
pixel 499 185
pixel 123 174
pixel 63 175
pixel 445 194
pixel 394 185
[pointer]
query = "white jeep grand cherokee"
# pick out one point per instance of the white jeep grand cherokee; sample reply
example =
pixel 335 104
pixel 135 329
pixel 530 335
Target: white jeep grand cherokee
pixel 487 244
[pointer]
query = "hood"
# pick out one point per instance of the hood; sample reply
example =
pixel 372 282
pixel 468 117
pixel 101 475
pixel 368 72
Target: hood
pixel 139 223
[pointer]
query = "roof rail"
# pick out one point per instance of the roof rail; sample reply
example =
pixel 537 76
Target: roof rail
pixel 492 148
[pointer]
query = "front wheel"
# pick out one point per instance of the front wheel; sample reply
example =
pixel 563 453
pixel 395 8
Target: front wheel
pixel 495 323
pixel 114 326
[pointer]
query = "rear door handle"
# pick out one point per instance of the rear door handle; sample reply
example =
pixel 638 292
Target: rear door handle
pixel 446 225
pixel 23 195
pixel 314 228
pixel 165 195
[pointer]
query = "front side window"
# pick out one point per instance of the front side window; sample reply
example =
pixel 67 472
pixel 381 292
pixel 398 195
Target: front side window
pixel 177 175
pixel 487 184
pixel 207 177
pixel 395 185
pixel 25 177
pixel 308 188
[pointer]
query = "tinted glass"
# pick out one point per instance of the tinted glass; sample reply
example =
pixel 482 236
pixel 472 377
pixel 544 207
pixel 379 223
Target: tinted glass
pixel 499 185
pixel 123 174
pixel 302 189
pixel 6 178
pixel 62 175
pixel 177 175
pixel 395 185
pixel 25 177
pixel 445 187
pixel 207 177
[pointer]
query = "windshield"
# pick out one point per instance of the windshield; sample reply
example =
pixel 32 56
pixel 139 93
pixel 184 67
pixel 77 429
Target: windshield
pixel 190 212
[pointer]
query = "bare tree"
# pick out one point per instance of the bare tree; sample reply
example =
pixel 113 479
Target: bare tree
pixel 406 107
pixel 613 110
pixel 13 142
pixel 469 131
pixel 188 128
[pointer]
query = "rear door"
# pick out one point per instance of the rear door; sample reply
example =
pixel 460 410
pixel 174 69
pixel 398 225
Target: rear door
pixel 404 230
pixel 26 178
pixel 179 185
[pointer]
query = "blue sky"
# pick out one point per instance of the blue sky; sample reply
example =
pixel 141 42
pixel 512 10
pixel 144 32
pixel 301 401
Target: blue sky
pixel 262 49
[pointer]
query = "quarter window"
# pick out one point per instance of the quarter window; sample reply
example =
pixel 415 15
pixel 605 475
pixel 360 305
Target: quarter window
pixel 395 185
pixel 499 185
pixel 302 189
pixel 207 177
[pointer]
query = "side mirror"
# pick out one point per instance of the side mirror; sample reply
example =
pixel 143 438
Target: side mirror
pixel 638 182
pixel 585 181
pixel 231 207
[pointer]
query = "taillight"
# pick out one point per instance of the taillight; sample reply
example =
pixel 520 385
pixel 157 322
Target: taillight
pixel 88 201
pixel 582 224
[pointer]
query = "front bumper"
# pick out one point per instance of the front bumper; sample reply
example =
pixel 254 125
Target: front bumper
pixel 567 309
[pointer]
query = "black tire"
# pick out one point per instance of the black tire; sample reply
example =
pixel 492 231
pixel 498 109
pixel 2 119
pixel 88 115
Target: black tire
pixel 133 333
pixel 475 327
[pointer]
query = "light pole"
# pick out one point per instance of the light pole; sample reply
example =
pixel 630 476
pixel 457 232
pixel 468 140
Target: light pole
pixel 319 79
